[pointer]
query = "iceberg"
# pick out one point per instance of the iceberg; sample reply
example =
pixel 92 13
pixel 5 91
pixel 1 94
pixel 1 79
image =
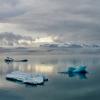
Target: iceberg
pixel 76 71
pixel 27 78
pixel 80 69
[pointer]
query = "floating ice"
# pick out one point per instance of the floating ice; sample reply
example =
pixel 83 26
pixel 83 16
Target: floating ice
pixel 76 71
pixel 9 60
pixel 81 69
pixel 27 78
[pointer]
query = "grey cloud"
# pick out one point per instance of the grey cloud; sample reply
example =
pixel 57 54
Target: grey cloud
pixel 11 36
pixel 70 20
pixel 11 39
pixel 11 8
pixel 11 2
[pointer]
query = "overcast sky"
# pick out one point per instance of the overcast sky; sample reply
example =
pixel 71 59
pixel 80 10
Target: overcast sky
pixel 66 20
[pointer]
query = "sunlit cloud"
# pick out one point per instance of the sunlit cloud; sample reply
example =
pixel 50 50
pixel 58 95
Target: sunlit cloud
pixel 6 27
pixel 44 40
pixel 25 41
pixel 16 40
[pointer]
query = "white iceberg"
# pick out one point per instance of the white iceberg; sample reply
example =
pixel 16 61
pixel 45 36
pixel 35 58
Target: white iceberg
pixel 27 78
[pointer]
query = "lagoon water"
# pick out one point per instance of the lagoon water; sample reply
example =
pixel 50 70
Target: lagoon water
pixel 59 86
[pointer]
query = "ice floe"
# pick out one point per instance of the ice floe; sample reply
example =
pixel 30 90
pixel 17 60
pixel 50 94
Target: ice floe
pixel 27 78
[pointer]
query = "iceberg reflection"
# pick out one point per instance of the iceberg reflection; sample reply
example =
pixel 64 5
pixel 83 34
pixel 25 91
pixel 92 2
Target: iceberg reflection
pixel 80 75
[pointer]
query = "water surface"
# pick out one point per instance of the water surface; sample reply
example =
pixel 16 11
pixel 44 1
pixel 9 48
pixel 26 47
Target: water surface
pixel 59 86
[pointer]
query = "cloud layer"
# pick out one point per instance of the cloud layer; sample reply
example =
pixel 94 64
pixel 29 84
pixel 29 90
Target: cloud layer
pixel 16 40
pixel 69 20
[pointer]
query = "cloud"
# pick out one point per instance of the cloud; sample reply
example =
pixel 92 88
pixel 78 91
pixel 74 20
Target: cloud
pixel 11 39
pixel 69 20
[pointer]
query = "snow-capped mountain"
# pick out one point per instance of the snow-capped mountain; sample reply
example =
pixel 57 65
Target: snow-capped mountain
pixel 70 45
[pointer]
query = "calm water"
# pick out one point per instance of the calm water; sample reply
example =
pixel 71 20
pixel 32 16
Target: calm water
pixel 59 86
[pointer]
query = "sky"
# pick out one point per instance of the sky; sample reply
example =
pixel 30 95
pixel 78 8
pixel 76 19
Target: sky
pixel 33 21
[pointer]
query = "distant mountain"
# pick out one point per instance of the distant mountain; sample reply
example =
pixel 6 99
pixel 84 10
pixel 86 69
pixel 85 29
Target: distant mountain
pixel 70 45
pixel 74 46
pixel 53 49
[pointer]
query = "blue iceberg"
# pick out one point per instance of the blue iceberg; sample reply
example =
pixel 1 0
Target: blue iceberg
pixel 76 71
